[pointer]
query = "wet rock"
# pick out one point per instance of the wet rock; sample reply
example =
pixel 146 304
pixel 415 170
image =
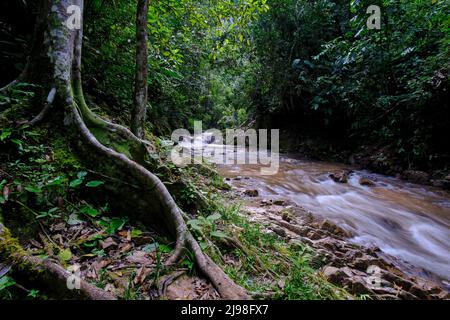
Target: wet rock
pixel 238 178
pixel 279 231
pixel 364 181
pixel 333 228
pixel 416 176
pixel 278 202
pixel 340 177
pixel 251 193
pixel 357 285
pixel 364 262
pixel 286 215
pixel 397 280
pixel 333 274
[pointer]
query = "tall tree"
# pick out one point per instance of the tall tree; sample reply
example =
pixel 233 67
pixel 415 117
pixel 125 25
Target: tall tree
pixel 140 89
pixel 105 146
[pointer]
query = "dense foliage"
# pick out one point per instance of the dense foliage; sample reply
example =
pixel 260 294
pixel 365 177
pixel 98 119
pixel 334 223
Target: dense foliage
pixel 323 70
pixel 311 67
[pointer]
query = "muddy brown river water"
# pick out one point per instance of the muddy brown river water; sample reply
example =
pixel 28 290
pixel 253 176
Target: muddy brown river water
pixel 408 221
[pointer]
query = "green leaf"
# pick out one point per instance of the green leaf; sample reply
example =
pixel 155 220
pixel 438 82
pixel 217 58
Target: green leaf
pixel 116 224
pixel 164 248
pixel 33 189
pixel 6 282
pixel 75 183
pixel 172 74
pixel 33 293
pixel 81 175
pixel 218 234
pixel 57 181
pixel 65 255
pixel 6 133
pixel 98 252
pixel 214 217
pixel 94 184
pixel 88 210
pixel 136 233
pixel 18 143
pixel 195 224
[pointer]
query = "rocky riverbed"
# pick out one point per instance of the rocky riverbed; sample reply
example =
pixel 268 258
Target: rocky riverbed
pixel 360 270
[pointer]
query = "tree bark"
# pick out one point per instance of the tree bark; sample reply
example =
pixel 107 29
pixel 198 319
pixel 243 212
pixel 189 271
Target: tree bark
pixel 140 90
pixel 113 147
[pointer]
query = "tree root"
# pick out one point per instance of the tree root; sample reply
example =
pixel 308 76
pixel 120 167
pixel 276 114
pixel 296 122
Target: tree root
pixel 164 283
pixel 9 85
pixel 47 107
pixel 46 271
pixel 171 213
pixel 117 148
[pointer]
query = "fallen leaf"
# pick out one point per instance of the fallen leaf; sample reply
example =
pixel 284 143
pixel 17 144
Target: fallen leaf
pixel 125 247
pixel 142 273
pixel 110 288
pixel 108 242
pixel 36 244
pixel 59 226
pixel 140 258
pixel 125 234
pixel 95 268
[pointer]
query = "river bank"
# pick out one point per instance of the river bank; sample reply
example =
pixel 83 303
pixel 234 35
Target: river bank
pixel 307 206
pixel 344 264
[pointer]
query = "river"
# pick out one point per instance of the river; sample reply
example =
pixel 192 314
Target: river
pixel 408 221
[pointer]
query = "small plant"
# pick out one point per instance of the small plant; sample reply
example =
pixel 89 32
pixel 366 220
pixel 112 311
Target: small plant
pixel 207 226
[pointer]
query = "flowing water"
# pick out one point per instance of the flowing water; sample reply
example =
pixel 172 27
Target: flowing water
pixel 405 220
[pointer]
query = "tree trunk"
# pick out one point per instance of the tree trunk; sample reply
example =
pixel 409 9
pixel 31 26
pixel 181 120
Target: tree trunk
pixel 114 148
pixel 140 90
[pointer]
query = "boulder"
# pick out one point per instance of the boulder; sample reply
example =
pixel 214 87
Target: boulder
pixel 251 193
pixel 333 228
pixel 278 202
pixel 340 177
pixel 286 215
pixel 333 274
pixel 364 181
pixel 279 231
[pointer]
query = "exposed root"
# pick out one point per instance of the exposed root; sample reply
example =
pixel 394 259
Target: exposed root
pixel 233 242
pixel 9 85
pixel 47 107
pixel 174 218
pixel 46 271
pixel 178 253
pixel 124 152
pixel 223 284
pixel 167 281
